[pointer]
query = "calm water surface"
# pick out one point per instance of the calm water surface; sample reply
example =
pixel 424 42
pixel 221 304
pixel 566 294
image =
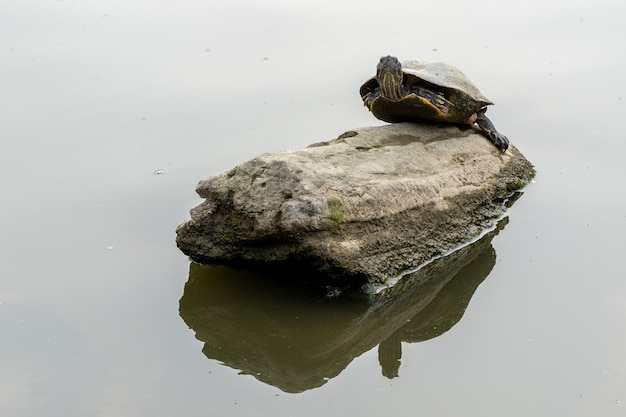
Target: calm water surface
pixel 112 111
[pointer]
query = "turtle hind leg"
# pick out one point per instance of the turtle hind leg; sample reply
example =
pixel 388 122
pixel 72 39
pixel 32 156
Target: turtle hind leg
pixel 499 140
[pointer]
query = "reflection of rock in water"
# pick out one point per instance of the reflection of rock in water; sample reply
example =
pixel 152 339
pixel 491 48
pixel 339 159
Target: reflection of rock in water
pixel 281 333
pixel 443 312
pixel 296 339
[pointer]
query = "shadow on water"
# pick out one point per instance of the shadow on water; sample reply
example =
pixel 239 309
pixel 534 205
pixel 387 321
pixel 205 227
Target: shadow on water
pixel 296 338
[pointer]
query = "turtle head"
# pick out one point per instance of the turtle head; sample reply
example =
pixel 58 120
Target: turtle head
pixel 389 77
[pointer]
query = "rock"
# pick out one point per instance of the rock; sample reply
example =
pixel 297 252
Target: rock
pixel 360 209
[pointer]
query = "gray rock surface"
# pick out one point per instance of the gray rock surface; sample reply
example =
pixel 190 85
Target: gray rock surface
pixel 362 208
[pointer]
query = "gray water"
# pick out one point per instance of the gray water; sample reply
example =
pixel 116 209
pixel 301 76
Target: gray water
pixel 110 112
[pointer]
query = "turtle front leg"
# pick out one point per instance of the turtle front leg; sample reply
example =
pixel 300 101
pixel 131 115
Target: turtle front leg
pixel 370 97
pixel 499 140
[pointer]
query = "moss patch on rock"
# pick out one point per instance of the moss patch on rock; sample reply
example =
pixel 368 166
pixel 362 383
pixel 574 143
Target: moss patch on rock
pixel 335 210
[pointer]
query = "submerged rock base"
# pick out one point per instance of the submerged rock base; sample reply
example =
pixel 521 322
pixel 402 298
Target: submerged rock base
pixel 238 315
pixel 359 209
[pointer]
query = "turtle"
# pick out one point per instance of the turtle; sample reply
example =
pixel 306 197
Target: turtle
pixel 417 91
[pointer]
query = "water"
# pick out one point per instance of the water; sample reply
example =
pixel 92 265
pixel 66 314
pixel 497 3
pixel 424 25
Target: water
pixel 112 112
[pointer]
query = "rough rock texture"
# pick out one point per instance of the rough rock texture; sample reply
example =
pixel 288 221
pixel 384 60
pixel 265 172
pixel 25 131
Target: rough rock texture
pixel 359 209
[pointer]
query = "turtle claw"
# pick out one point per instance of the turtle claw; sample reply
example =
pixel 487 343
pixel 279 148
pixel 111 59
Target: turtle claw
pixel 500 141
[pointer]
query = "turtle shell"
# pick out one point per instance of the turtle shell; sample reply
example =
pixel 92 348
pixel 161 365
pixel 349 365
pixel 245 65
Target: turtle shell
pixel 433 91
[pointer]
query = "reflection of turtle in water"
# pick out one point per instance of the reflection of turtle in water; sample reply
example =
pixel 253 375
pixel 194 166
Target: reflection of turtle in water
pixel 427 91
